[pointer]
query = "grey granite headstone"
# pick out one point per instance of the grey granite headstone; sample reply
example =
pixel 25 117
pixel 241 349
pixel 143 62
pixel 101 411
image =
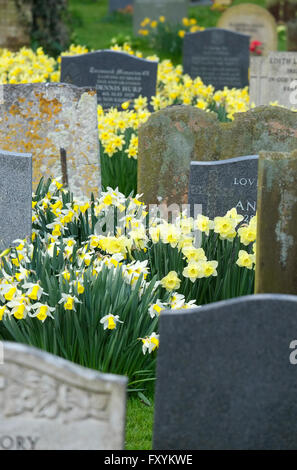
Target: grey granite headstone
pixel 221 185
pixel 114 5
pixel 48 403
pixel 219 57
pixel 274 78
pixel 117 76
pixel 226 375
pixel 173 11
pixel 15 197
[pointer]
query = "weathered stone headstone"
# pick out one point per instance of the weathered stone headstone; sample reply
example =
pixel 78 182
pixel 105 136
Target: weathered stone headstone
pixel 251 19
pixel 175 136
pixel 15 24
pixel 117 76
pixel 219 57
pixel 15 197
pixel 173 11
pixel 232 383
pixel 43 119
pixel 272 77
pixel 219 186
pixel 276 269
pixel 114 5
pixel 48 403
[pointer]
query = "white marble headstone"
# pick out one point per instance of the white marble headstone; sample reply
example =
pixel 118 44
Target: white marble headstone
pixel 48 403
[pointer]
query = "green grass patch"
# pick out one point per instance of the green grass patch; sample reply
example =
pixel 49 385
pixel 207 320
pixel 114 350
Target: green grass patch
pixel 139 424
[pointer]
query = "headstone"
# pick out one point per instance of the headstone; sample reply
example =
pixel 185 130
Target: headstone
pixel 276 269
pixel 117 76
pixel 115 5
pixel 173 137
pixel 48 403
pixel 292 35
pixel 272 79
pixel 15 197
pixel 199 3
pixel 226 380
pixel 16 22
pixel 173 11
pixel 251 19
pixel 43 119
pixel 219 186
pixel 219 57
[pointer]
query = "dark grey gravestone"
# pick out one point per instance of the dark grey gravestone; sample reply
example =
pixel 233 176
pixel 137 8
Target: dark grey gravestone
pixel 226 375
pixel 219 57
pixel 221 185
pixel 173 11
pixel 115 5
pixel 15 197
pixel 117 76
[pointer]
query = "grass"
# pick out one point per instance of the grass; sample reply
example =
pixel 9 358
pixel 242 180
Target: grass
pixel 139 424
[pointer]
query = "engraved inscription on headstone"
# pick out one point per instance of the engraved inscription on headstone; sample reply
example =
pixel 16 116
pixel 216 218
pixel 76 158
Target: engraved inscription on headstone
pixel 221 185
pixel 274 78
pixel 219 57
pixel 117 76
pixel 15 197
pixel 48 403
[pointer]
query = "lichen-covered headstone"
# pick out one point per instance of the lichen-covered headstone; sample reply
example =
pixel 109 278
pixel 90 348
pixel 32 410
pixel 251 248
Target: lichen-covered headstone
pixel 43 119
pixel 48 403
pixel 274 78
pixel 251 19
pixel 219 57
pixel 226 376
pixel 175 136
pixel 15 197
pixel 276 268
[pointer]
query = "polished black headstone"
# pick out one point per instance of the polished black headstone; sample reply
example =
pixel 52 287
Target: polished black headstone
pixel 117 76
pixel 227 375
pixel 219 57
pixel 218 186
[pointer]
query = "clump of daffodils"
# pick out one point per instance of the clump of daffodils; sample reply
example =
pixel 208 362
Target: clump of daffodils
pixel 100 272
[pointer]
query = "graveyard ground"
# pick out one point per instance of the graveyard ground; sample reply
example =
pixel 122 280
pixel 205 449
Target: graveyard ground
pixel 91 16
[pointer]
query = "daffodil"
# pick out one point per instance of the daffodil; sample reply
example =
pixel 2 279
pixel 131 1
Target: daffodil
pixel 42 311
pixel 109 321
pixel 150 343
pixel 171 281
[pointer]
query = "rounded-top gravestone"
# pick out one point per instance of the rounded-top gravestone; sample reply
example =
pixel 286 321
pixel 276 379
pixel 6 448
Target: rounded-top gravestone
pixel 253 20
